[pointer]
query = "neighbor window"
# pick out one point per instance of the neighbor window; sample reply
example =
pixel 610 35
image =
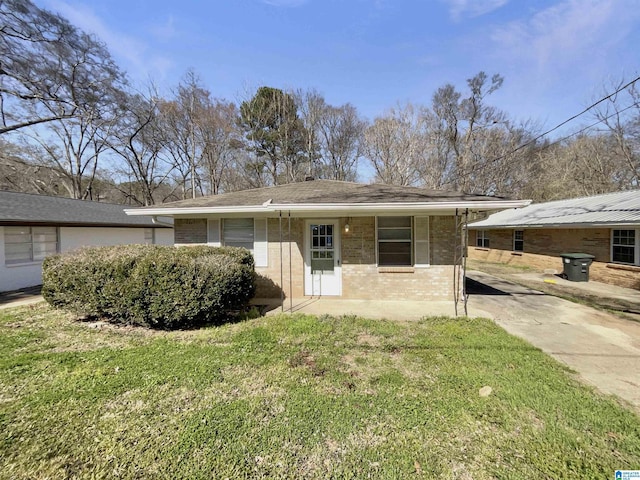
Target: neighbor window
pixel 482 239
pixel 518 240
pixel 394 241
pixel 238 232
pixel 623 246
pixel 29 244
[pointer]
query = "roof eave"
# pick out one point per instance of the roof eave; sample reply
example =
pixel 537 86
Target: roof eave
pixel 335 207
pixel 556 225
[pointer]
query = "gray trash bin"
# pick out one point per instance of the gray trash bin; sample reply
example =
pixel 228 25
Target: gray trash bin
pixel 576 266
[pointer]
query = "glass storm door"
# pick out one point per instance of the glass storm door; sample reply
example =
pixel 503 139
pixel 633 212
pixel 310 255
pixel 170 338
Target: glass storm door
pixel 323 274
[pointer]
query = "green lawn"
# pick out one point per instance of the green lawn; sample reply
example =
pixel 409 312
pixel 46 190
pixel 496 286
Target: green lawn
pixel 297 397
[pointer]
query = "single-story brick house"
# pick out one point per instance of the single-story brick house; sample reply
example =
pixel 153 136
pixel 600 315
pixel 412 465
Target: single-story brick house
pixel 333 238
pixel 34 226
pixel 606 226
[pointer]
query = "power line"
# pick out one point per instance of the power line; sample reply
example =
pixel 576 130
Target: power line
pixel 617 112
pixel 526 144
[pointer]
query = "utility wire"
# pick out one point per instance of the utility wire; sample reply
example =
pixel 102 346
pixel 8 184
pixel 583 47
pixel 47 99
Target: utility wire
pixel 526 144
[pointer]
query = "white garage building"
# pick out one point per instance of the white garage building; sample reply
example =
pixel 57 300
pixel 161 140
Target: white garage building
pixel 34 226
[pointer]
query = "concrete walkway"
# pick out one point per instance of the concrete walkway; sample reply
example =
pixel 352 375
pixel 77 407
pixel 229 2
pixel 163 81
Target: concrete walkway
pixel 604 349
pixel 391 309
pixel 21 297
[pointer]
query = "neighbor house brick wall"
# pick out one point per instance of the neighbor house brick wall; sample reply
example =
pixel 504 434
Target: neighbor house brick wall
pixel 190 230
pixel 542 249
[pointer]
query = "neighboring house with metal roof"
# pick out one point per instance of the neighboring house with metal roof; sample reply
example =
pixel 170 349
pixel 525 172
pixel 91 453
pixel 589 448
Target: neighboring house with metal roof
pixel 324 237
pixel 606 226
pixel 34 226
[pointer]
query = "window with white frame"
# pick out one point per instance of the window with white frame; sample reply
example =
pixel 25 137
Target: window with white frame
pixel 26 244
pixel 149 235
pixel 394 241
pixel 238 232
pixel 518 240
pixel 624 246
pixel 482 238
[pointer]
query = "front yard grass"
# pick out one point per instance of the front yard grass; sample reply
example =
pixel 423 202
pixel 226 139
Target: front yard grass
pixel 297 397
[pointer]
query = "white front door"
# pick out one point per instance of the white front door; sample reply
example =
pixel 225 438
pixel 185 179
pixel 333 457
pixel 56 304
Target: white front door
pixel 322 270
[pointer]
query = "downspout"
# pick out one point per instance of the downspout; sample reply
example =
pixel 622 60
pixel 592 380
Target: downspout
pixel 281 270
pixel 465 252
pixel 290 270
pixel 155 221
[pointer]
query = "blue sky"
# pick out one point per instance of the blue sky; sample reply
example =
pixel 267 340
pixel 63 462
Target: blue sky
pixel 556 56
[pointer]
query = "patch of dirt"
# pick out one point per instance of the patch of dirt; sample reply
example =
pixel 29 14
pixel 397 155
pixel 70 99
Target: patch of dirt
pixel 369 340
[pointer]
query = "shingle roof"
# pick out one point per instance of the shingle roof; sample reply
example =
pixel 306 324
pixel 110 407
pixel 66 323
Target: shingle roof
pixel 619 208
pixel 21 208
pixel 318 193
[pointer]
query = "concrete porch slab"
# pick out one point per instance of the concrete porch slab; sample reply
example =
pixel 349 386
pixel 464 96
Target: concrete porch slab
pixel 391 309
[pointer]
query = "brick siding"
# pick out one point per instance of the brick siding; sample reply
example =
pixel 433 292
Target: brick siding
pixel 542 249
pixel 361 277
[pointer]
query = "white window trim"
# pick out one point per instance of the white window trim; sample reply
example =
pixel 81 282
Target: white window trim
pixel 513 238
pixel 482 235
pixel 636 249
pixel 31 261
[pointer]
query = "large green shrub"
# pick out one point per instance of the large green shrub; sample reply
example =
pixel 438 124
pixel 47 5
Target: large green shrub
pixel 151 285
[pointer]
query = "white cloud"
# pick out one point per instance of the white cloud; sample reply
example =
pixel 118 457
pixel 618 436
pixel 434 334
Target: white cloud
pixel 568 32
pixel 130 52
pixel 473 8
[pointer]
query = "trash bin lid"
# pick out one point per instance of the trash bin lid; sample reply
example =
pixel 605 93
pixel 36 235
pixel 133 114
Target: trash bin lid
pixel 577 256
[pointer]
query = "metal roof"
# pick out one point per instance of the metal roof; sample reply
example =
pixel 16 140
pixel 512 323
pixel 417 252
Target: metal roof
pixel 25 208
pixel 619 208
pixel 329 195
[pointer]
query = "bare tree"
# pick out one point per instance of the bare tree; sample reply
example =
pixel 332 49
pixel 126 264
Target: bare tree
pixel 341 131
pixel 222 142
pixel 49 70
pixel 395 145
pixel 140 141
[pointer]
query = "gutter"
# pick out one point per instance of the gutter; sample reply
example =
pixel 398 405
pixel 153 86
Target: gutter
pixel 156 221
pixel 268 207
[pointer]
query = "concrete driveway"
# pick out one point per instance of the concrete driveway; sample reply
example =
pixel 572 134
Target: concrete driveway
pixel 603 348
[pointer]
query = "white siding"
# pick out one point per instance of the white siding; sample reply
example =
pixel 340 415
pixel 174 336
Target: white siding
pixel 13 277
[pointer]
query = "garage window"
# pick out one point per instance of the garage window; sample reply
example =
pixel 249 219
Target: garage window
pixel 29 244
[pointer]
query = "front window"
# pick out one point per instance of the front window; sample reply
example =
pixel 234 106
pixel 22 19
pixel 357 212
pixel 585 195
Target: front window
pixel 29 244
pixel 238 232
pixel 623 249
pixel 518 240
pixel 394 241
pixel 482 239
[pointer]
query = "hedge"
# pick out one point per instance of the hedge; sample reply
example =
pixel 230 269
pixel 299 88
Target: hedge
pixel 151 285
